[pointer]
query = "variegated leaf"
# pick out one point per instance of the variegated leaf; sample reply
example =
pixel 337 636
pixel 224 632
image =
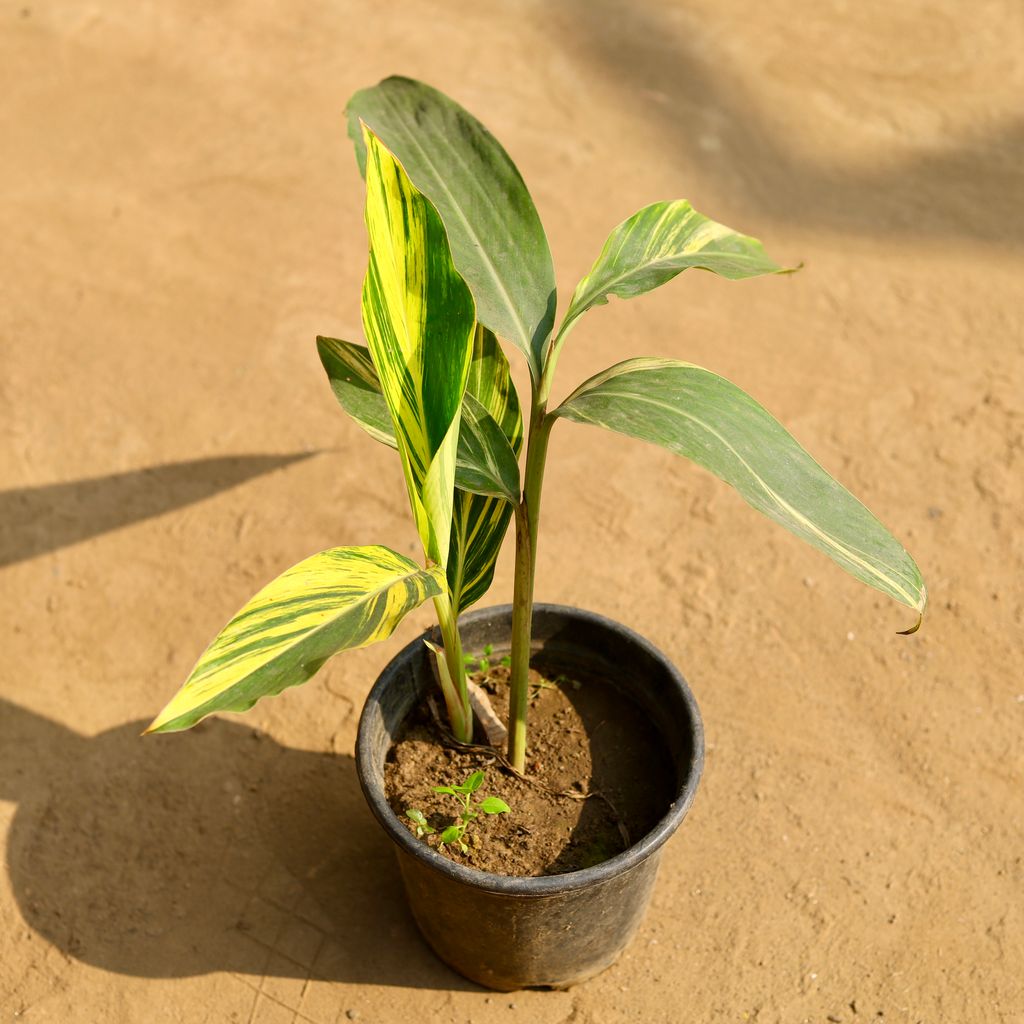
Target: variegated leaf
pixel 696 413
pixel 479 524
pixel 419 317
pixel 490 383
pixel 356 386
pixel 497 240
pixel 484 462
pixel 334 601
pixel 659 242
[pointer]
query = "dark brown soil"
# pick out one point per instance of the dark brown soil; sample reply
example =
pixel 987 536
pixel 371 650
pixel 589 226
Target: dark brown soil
pixel 599 778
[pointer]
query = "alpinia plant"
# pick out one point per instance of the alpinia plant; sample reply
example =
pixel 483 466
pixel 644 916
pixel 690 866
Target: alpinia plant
pixel 458 259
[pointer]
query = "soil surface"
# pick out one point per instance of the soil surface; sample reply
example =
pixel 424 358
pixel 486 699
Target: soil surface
pixel 182 215
pixel 598 779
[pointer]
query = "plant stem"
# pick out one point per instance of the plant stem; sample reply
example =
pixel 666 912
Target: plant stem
pixel 527 515
pixel 456 694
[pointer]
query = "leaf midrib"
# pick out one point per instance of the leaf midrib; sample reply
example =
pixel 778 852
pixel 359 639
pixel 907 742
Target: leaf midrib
pixel 779 500
pixel 469 227
pixel 662 263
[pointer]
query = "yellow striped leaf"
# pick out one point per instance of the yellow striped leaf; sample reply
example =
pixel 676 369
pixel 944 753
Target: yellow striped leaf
pixel 419 317
pixel 657 243
pixel 486 467
pixel 356 386
pixel 696 413
pixel 479 524
pixel 484 462
pixel 497 240
pixel 334 601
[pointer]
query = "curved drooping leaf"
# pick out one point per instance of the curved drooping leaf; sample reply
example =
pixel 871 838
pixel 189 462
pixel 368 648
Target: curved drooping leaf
pixel 659 242
pixel 484 462
pixel 490 383
pixel 356 386
pixel 334 601
pixel 497 241
pixel 696 413
pixel 479 524
pixel 485 467
pixel 419 319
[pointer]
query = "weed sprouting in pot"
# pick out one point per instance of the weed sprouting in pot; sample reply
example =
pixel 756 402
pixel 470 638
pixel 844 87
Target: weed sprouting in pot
pixel 419 820
pixel 458 259
pixel 483 662
pixel 455 833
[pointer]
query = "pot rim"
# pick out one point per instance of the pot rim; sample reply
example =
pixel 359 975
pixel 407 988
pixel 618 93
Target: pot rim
pixel 534 885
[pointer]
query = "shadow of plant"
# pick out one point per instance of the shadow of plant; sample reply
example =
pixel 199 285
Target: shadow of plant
pixel 214 850
pixel 35 520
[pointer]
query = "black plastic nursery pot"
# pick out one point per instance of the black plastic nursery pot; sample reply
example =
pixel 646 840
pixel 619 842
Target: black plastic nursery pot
pixel 553 931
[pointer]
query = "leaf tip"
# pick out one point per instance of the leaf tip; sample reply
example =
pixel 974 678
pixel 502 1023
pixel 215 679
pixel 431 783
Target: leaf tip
pixel 914 628
pixel 158 725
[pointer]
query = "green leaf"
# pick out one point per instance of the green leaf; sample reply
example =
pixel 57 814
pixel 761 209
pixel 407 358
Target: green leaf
pixel 493 805
pixel 451 834
pixel 450 790
pixel 416 816
pixel 336 600
pixel 473 783
pixel 696 413
pixel 496 237
pixel 656 244
pixel 356 386
pixel 485 462
pixel 419 320
pixel 479 524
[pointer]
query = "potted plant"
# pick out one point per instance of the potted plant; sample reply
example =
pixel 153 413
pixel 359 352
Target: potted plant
pixel 458 259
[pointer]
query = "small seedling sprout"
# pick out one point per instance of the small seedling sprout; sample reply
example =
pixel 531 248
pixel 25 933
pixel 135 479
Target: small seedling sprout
pixel 419 820
pixel 454 834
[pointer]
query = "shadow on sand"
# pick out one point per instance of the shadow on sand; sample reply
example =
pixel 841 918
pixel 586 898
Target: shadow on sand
pixel 971 188
pixel 214 850
pixel 36 520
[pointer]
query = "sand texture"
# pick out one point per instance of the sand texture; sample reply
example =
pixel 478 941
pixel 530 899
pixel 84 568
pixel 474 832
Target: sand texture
pixel 181 215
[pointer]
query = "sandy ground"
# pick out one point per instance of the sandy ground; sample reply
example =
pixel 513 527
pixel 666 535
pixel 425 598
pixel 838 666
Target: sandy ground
pixel 181 215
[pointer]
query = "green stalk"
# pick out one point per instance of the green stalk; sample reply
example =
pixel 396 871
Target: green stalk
pixel 527 516
pixel 522 614
pixel 456 693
